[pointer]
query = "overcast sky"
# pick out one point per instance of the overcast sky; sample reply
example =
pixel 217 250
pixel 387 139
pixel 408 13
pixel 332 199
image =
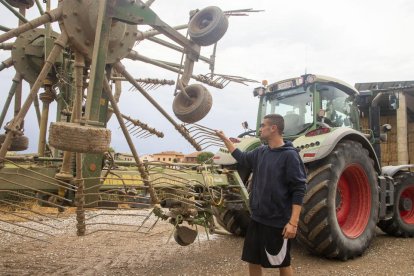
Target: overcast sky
pixel 356 41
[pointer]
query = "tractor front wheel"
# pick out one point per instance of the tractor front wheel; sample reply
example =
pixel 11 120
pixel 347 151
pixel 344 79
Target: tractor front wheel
pixel 340 209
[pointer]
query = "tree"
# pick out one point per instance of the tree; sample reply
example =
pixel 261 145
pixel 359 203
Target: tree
pixel 204 156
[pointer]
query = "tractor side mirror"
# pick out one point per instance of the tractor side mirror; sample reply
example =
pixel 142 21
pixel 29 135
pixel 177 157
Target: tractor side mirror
pixel 384 136
pixel 393 101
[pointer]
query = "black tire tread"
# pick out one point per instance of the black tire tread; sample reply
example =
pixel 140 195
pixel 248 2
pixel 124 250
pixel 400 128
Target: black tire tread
pixel 393 226
pixel 315 232
pixel 214 32
pixel 198 109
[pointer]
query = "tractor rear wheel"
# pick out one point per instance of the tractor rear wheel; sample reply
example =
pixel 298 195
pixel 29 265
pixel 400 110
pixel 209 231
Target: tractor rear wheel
pixel 340 209
pixel 402 222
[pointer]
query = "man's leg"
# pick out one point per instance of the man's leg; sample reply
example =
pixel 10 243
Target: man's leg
pixel 255 270
pixel 286 271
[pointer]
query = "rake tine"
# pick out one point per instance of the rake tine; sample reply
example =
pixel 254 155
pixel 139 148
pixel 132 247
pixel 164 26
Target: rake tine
pixel 136 130
pixel 146 136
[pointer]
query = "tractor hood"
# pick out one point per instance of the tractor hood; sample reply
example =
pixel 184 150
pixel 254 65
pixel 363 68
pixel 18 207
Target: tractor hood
pixel 223 156
pixel 318 144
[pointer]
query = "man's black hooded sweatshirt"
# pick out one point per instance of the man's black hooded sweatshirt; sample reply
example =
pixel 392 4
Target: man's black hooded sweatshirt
pixel 279 180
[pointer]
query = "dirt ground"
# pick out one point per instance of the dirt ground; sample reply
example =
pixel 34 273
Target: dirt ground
pixel 118 253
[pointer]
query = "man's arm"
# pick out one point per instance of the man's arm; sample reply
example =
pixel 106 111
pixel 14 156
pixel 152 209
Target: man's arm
pixel 289 232
pixel 229 145
pixel 245 159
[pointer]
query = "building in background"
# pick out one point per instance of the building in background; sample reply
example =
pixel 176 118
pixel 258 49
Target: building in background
pixel 192 157
pixel 169 156
pixel 399 148
pixel 123 156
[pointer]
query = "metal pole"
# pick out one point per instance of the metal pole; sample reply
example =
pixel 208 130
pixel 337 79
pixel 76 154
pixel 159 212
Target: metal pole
pixel 39 7
pixel 80 198
pixel 37 109
pixel 47 97
pixel 6 64
pixel 98 63
pixel 12 91
pixel 4 28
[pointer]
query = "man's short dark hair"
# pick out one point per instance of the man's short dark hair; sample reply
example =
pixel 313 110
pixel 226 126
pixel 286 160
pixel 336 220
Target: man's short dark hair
pixel 276 119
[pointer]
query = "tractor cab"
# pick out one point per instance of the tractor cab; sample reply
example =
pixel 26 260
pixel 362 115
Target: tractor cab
pixel 308 103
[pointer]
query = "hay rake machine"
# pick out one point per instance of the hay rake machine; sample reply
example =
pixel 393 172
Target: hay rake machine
pixel 81 69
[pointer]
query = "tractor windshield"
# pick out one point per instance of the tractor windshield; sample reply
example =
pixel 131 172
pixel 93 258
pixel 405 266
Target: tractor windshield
pixel 296 107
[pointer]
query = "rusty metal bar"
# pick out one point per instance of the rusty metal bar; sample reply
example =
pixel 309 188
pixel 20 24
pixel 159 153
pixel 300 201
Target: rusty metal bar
pixel 133 55
pixel 15 124
pixel 12 91
pixel 146 80
pixel 6 46
pixel 47 97
pixel 120 68
pixel 80 197
pixel 151 33
pixel 37 109
pixel 4 29
pixel 52 16
pixel 39 7
pixel 175 47
pixel 6 64
pixel 140 124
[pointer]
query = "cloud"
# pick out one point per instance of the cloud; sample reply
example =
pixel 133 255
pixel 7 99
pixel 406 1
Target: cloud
pixel 356 41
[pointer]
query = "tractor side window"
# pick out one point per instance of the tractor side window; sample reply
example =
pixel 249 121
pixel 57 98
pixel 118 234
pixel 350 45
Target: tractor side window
pixel 296 107
pixel 338 106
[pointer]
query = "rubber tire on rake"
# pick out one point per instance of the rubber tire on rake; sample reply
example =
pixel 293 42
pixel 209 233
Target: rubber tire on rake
pixel 340 209
pixel 78 138
pixel 205 35
pixel 19 143
pixel 21 3
pixel 191 111
pixel 184 235
pixel 402 222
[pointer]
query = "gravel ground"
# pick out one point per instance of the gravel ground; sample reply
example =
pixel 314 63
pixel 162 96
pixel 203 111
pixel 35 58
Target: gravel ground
pixel 121 253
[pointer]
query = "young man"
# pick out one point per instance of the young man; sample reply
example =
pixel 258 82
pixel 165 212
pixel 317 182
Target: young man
pixel 278 188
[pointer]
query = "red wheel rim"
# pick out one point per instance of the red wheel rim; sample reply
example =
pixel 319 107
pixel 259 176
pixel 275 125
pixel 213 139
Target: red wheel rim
pixel 353 201
pixel 407 216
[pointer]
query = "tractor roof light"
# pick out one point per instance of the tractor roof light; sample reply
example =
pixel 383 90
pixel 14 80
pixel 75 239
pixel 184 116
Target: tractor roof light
pixel 259 91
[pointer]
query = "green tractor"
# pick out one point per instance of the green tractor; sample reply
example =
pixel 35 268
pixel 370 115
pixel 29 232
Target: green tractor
pixel 348 193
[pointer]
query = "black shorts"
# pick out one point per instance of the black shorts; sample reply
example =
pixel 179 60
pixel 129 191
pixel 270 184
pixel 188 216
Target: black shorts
pixel 264 245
